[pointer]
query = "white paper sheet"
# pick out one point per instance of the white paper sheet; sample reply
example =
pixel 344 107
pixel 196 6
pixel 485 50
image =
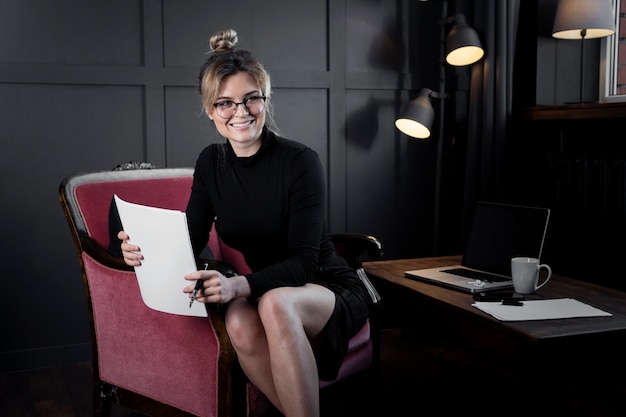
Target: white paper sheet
pixel 164 240
pixel 559 308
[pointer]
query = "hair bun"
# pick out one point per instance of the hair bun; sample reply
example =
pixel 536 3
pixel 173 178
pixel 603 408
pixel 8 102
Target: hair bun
pixel 224 40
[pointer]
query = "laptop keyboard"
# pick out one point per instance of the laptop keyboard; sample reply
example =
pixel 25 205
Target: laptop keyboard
pixel 471 274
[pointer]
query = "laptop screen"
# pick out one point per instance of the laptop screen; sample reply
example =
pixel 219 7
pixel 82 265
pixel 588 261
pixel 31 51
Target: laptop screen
pixel 499 232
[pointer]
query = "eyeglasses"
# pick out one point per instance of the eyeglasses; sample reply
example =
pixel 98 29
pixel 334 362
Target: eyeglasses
pixel 253 105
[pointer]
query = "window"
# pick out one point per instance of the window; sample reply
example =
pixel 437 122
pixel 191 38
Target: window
pixel 613 65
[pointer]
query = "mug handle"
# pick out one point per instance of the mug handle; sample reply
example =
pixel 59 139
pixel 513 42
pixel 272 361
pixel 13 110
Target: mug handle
pixel 545 281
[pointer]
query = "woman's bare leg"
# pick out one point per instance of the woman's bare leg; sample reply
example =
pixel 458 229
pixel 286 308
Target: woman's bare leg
pixel 273 346
pixel 248 337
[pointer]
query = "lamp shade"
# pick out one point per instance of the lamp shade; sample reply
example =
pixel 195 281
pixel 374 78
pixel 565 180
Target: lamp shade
pixel 577 19
pixel 463 46
pixel 417 116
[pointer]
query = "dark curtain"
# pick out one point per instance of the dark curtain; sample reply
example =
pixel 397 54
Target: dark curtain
pixel 490 102
pixel 480 108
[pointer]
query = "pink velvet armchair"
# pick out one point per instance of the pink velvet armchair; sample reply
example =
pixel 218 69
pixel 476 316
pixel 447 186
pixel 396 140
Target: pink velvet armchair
pixel 157 363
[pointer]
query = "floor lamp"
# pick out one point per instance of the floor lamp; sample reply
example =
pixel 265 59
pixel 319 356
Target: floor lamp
pixel 583 19
pixel 461 47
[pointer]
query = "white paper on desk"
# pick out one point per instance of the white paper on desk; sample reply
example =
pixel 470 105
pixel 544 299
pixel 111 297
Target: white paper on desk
pixel 164 240
pixel 559 308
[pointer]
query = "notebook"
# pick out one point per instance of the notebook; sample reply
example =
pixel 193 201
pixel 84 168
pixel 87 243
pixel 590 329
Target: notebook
pixel 497 233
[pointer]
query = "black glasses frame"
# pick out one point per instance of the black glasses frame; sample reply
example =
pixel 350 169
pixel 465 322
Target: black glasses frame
pixel 244 103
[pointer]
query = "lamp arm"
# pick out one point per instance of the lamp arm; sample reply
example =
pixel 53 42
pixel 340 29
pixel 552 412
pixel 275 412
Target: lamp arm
pixel 441 96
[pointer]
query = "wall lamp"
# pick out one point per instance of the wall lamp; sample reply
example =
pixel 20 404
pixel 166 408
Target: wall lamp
pixel 583 19
pixel 461 47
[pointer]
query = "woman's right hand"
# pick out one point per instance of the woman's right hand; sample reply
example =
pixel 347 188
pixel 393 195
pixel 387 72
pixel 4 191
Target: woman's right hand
pixel 131 253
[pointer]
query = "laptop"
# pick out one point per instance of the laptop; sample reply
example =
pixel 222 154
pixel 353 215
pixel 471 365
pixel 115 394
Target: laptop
pixel 497 233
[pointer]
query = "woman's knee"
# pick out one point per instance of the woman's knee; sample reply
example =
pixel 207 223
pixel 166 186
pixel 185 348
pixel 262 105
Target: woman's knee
pixel 276 305
pixel 243 326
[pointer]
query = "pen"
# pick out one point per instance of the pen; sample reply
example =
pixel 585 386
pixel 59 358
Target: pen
pixel 197 287
pixel 509 302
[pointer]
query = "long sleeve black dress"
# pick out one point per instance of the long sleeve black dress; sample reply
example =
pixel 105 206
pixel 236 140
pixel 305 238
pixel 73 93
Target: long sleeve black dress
pixel 270 207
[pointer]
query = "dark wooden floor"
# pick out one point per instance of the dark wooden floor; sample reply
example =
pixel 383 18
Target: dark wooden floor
pixel 418 378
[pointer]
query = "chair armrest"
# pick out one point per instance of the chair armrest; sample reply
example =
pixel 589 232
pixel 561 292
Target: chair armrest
pixel 226 269
pixel 90 247
pixel 353 246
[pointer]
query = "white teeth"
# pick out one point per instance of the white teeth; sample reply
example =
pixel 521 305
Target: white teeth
pixel 241 124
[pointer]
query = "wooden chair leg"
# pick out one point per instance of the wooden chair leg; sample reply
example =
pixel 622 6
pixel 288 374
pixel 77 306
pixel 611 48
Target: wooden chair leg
pixel 103 394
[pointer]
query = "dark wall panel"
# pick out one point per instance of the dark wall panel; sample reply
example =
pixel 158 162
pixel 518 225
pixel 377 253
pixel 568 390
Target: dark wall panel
pixel 188 130
pixel 373 35
pixel 71 32
pixel 371 164
pixel 288 37
pixel 188 25
pixel 302 115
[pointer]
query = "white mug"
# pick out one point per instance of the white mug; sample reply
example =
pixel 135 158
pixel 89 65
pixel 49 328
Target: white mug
pixel 525 274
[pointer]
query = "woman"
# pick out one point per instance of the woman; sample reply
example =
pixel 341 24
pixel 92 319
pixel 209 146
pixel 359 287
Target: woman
pixel 291 318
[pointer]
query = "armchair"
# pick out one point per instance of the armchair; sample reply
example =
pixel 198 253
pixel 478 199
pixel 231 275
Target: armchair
pixel 148 360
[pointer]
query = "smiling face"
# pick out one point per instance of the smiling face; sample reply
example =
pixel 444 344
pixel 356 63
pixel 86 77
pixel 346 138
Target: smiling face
pixel 243 129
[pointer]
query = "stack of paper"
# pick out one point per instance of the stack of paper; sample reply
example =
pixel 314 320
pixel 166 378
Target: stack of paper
pixel 559 308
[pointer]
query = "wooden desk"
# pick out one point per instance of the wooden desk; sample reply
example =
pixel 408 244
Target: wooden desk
pixel 579 347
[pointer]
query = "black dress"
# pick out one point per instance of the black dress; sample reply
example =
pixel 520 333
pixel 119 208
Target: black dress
pixel 270 207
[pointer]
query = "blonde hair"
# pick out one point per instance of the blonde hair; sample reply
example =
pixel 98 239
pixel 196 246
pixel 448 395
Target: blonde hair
pixel 224 60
